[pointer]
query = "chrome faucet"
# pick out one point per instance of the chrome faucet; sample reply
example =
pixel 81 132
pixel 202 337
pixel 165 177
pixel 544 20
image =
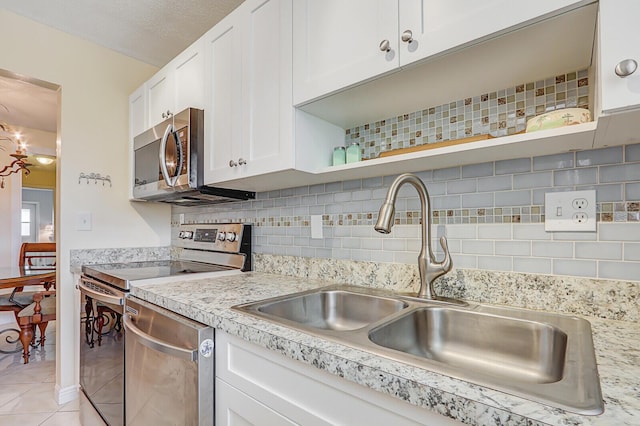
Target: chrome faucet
pixel 428 267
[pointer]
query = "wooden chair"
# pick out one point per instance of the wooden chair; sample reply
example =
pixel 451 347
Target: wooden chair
pixel 33 256
pixel 40 312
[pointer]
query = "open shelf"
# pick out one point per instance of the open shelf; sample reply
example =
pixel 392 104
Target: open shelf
pixel 553 141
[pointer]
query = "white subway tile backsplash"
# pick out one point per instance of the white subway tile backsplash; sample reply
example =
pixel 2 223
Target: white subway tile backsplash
pixel 611 251
pixel 532 180
pixel 532 265
pixel 553 162
pixel 446 174
pixel 632 191
pixel 477 170
pixel 618 270
pixel 619 173
pixel 619 231
pixel 495 263
pixel 578 268
pixel 496 183
pixel 477 247
pixel 632 153
pixel 530 232
pixel 462 186
pixel 575 177
pixel 632 252
pixel 519 165
pixel 595 157
pixel 462 232
pixel 492 214
pixel 552 249
pixel 495 232
pixel 513 198
pixel 394 244
pixel 513 248
pixel 464 261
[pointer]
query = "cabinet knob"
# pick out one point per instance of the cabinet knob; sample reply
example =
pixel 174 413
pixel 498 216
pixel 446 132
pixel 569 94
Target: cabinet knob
pixel 407 36
pixel 241 161
pixel 626 68
pixel 232 163
pixel 385 46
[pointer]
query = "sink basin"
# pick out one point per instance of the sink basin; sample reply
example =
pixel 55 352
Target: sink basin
pixel 332 309
pixel 540 356
pixel 513 349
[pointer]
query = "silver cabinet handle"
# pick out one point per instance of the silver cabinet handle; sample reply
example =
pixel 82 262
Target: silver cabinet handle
pixel 242 161
pixel 626 68
pixel 385 46
pixel 407 36
pixel 157 344
pixel 232 163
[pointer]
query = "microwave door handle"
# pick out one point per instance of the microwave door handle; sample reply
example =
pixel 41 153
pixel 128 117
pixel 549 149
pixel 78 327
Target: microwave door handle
pixel 175 178
pixel 163 154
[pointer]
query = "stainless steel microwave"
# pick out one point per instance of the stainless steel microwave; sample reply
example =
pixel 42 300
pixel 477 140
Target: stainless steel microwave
pixel 169 164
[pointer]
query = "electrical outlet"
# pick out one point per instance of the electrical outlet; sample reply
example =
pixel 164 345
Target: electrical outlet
pixel 570 211
pixel 579 203
pixel 580 217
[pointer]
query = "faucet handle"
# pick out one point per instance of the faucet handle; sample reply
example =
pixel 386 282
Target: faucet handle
pixel 447 263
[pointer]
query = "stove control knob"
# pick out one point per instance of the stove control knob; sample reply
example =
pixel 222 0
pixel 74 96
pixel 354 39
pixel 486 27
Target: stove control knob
pixel 181 234
pixel 232 236
pixel 188 234
pixel 222 236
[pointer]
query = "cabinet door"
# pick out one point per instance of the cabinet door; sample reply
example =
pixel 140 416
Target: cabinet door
pixel 137 125
pixel 438 26
pixel 235 408
pixel 160 95
pixel 267 93
pixel 336 44
pixel 619 35
pixel 188 68
pixel 223 92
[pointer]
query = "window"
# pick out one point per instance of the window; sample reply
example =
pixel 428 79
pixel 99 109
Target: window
pixel 25 222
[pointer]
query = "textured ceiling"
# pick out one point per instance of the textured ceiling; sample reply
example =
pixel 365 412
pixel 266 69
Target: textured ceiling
pixel 153 31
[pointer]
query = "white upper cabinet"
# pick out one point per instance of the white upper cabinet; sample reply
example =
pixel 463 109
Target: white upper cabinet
pixel 619 53
pixel 249 113
pixel 178 85
pixel 137 124
pixel 338 44
pixel 429 27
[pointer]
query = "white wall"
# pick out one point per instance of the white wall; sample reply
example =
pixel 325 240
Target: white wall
pixel 92 137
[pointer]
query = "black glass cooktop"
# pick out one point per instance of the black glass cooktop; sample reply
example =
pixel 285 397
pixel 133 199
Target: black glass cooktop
pixel 122 274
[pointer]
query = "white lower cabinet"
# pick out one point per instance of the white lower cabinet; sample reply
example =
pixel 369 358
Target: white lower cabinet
pixel 255 386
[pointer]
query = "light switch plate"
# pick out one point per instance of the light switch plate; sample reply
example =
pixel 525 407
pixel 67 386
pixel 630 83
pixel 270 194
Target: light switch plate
pixel 83 221
pixel 570 211
pixel 316 226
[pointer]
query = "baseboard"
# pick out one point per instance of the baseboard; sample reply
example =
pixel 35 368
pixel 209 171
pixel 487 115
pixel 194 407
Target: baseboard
pixel 68 394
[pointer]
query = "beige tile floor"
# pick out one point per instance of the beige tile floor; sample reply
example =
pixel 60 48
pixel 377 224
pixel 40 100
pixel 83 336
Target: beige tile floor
pixel 27 395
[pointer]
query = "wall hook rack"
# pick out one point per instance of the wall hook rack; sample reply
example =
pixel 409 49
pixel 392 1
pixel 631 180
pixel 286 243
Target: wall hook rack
pixel 95 177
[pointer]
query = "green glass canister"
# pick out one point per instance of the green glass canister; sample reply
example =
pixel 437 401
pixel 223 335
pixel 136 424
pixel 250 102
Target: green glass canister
pixel 353 153
pixel 339 155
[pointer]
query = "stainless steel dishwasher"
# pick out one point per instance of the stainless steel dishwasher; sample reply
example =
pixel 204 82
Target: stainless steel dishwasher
pixel 169 367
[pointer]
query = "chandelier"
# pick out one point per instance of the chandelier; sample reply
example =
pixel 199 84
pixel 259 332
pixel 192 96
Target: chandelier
pixel 18 163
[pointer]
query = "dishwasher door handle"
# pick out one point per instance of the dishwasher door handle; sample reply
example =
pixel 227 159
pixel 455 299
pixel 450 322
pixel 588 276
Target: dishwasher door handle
pixel 157 344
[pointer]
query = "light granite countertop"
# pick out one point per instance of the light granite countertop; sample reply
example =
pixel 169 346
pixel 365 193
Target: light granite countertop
pixel 617 345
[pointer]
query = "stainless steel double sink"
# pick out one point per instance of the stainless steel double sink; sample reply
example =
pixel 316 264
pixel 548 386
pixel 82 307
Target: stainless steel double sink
pixel 544 357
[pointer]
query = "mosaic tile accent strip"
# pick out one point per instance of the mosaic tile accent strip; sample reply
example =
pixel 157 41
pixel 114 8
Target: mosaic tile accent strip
pixel 500 113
